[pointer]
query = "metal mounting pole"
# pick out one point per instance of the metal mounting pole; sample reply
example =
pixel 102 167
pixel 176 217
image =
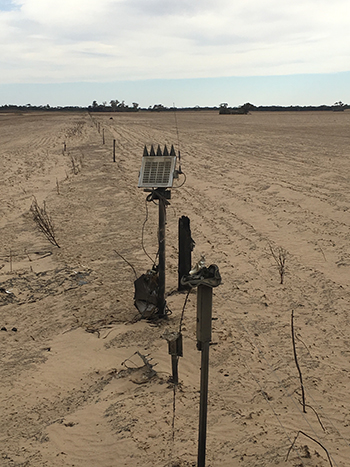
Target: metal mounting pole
pixel 204 317
pixel 161 239
pixel 203 405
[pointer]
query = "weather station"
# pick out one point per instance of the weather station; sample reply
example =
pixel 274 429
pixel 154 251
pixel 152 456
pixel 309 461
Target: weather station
pixel 157 174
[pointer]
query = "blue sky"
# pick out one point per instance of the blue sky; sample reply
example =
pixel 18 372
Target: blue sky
pixel 188 52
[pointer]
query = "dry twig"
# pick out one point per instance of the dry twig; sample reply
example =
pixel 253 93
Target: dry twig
pixel 313 439
pixel 44 222
pixel 297 364
pixel 75 165
pixel 280 257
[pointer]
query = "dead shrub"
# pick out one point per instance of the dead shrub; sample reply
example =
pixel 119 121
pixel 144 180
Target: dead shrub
pixel 43 221
pixel 280 256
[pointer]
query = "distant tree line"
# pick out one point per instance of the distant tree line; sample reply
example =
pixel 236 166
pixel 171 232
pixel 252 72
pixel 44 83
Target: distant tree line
pixel 241 110
pixel 120 106
pixel 45 108
pixel 114 106
pixel 224 109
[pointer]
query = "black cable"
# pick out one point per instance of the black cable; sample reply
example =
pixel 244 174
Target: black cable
pixel 151 198
pixel 182 184
pixel 143 230
pixel 183 310
pixel 127 262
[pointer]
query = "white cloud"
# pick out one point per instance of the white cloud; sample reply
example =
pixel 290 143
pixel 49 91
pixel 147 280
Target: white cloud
pixel 104 40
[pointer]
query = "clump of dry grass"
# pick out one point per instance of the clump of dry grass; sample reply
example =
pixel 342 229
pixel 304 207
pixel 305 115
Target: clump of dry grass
pixel 43 221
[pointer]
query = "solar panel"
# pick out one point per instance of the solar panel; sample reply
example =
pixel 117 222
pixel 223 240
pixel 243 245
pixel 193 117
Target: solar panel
pixel 157 172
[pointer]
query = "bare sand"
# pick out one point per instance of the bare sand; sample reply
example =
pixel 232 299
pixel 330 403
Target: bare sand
pixel 74 392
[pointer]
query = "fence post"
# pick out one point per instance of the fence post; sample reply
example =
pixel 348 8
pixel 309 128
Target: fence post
pixel 185 250
pixel 114 150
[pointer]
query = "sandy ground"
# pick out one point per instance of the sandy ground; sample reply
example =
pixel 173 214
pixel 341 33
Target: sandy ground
pixel 74 391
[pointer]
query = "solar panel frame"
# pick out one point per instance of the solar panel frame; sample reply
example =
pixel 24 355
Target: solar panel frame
pixel 157 172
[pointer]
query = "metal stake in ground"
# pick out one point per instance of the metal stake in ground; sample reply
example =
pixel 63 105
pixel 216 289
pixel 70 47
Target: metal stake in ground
pixel 186 245
pixel 161 239
pixel 175 350
pixel 204 318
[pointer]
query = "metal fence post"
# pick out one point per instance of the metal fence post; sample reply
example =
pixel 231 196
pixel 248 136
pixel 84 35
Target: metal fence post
pixel 204 318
